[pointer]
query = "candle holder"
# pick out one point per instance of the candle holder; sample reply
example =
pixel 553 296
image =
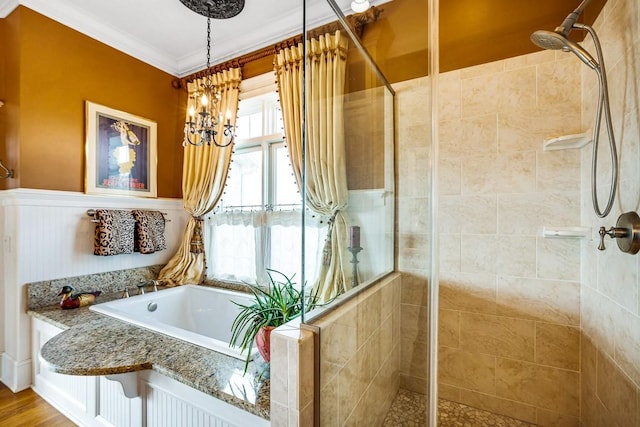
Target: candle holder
pixel 354 261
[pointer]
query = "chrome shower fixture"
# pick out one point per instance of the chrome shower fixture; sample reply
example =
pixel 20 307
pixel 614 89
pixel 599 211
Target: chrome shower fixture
pixel 558 40
pixel 552 40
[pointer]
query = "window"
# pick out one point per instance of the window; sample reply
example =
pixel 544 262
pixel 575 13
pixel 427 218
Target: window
pixel 257 224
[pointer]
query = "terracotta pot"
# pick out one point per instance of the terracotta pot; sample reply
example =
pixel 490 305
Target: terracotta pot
pixel 263 342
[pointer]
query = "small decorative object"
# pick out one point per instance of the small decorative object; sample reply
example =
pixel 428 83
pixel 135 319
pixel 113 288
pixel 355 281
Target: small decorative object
pixel 76 300
pixel 275 305
pixel 121 153
pixel 354 248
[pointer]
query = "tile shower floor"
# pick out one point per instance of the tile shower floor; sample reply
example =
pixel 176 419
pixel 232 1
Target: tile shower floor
pixel 409 410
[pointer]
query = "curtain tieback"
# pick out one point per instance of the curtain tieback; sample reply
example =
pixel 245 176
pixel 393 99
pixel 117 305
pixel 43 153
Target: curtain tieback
pixel 326 250
pixel 197 244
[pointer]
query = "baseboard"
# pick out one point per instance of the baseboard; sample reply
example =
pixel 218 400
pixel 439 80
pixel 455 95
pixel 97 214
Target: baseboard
pixel 16 375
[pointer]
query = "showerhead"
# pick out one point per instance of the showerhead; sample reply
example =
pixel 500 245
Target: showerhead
pixel 552 40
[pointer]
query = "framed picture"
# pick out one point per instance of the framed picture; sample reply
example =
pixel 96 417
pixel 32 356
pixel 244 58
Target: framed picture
pixel 121 152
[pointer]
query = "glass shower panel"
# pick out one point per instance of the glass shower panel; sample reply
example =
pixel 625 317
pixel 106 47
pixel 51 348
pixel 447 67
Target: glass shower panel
pixel 349 168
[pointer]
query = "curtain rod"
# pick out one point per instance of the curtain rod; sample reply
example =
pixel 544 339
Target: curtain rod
pixel 356 21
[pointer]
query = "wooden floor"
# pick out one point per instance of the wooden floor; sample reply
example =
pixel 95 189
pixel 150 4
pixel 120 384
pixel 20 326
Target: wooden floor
pixel 27 409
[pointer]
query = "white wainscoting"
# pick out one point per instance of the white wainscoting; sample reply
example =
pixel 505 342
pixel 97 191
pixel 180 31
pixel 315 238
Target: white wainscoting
pixel 48 235
pixel 161 401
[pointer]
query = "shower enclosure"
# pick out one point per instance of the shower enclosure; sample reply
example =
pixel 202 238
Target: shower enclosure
pixel 367 174
pixel 478 320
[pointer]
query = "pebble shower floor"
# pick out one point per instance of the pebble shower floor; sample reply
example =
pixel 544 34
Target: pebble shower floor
pixel 409 410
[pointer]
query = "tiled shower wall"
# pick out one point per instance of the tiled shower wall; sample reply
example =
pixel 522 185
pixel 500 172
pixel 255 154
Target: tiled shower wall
pixel 610 291
pixel 510 299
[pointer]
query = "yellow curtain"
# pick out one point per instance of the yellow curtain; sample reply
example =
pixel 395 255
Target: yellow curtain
pixel 204 173
pixel 326 177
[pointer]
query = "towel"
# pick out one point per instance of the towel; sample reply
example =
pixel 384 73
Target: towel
pixel 149 234
pixel 114 232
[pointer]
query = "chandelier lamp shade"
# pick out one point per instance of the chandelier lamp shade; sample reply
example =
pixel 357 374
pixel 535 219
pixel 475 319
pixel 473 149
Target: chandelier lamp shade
pixel 204 124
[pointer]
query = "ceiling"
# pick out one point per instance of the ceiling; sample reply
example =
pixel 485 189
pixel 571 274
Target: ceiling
pixel 169 36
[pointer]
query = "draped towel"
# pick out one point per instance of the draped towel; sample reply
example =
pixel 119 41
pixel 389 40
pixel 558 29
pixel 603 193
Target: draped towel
pixel 114 232
pixel 149 231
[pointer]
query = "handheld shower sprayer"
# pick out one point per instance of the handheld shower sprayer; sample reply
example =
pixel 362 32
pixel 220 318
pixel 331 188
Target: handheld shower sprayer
pixel 558 40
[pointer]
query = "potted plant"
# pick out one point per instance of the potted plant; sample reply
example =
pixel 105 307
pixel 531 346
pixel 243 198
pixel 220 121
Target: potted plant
pixel 272 306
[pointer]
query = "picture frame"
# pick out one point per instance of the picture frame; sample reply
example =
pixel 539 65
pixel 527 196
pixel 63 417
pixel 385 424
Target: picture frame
pixel 121 153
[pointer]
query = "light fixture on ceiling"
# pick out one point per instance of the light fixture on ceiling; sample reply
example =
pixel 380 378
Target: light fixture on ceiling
pixel 201 126
pixel 359 6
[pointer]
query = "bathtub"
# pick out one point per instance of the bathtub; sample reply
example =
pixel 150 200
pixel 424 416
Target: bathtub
pixel 197 314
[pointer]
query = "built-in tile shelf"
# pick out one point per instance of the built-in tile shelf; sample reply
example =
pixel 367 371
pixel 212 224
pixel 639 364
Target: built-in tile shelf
pixel 566 232
pixel 568 142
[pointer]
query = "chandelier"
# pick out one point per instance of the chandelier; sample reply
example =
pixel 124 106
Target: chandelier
pixel 204 115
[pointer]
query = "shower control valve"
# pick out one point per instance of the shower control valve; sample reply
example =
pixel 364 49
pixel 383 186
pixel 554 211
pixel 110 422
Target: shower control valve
pixel 626 232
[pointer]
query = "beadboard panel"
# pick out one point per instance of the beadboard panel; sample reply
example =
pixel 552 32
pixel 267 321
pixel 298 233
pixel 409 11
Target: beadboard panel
pixel 48 235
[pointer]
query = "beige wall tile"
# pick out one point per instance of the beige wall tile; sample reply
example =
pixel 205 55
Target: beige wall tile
pixel 450 176
pixel 353 380
pixel 617 393
pixel 412 215
pixel 541 386
pixel 468 214
pixel 470 136
pixel 449 392
pixel 516 256
pixel 547 300
pixel 412 178
pixel 413 322
pixel 329 404
pixel 527 130
pixel 507 407
pixel 497 336
pixel 528 213
pixel 558 259
pixel 487 69
pixel 557 84
pixel 627 343
pixel 517 89
pixel 592 411
pixel 530 59
pixel 513 172
pixel 598 319
pixel 279 415
pixel 449 328
pixel 588 361
pixel 554 419
pixel 414 289
pixel 479 95
pixel 479 253
pixel 279 370
pixel 450 252
pixel 558 170
pixel 369 317
pixel 412 383
pixel 449 95
pixel 621 280
pixel 558 346
pixel 468 292
pixel 467 370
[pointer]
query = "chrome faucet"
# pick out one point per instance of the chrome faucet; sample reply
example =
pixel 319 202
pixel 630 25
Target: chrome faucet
pixel 125 293
pixel 153 282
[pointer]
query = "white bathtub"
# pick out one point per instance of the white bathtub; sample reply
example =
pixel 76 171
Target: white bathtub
pixel 197 314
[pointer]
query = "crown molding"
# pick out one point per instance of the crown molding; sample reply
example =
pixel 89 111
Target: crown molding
pixel 225 48
pixel 7 6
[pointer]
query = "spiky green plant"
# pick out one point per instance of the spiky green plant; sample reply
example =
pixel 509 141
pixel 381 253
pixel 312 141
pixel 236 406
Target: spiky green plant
pixel 273 306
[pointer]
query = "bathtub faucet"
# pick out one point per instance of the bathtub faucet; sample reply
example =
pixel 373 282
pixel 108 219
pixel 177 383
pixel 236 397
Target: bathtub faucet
pixel 154 282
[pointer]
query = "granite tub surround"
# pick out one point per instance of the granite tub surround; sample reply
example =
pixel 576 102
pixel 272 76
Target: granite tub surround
pixel 44 293
pixel 94 345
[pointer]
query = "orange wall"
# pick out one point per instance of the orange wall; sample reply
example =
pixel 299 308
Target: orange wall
pixel 3 47
pixel 58 69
